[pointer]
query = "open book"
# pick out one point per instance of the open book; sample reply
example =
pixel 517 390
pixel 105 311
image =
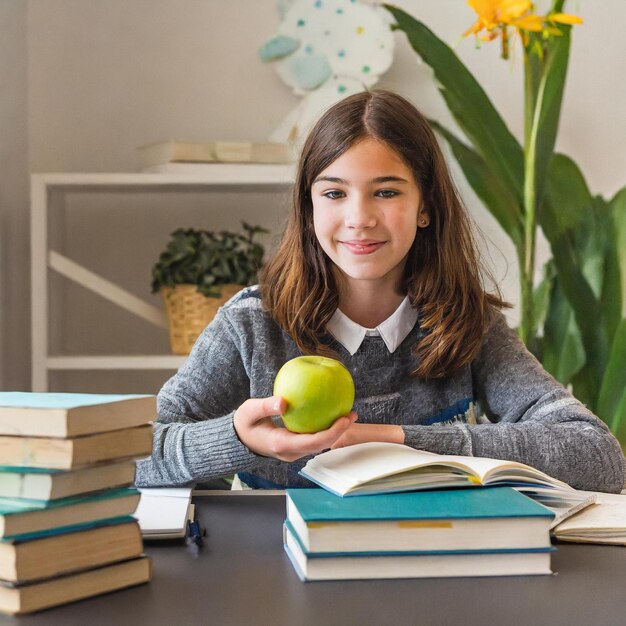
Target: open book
pixel 378 467
pixel 604 522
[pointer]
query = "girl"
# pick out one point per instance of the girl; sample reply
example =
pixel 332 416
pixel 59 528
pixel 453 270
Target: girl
pixel 377 268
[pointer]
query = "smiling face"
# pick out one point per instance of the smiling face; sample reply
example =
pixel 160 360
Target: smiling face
pixel 366 212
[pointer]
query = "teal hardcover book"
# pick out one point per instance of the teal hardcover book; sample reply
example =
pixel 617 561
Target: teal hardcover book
pixel 41 555
pixel 20 517
pixel 72 414
pixel 65 530
pixel 494 518
pixel 361 566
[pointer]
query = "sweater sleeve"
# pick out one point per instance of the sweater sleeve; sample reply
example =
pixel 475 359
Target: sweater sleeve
pixel 535 420
pixel 194 436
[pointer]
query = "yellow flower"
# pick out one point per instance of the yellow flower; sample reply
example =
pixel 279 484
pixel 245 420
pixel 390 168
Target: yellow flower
pixel 496 16
pixel 564 18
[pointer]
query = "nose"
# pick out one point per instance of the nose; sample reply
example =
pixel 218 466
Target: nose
pixel 360 213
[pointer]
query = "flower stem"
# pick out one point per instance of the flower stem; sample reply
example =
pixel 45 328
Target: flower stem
pixel 532 72
pixel 527 324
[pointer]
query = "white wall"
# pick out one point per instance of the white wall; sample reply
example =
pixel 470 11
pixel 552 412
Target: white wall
pixel 14 254
pixel 105 77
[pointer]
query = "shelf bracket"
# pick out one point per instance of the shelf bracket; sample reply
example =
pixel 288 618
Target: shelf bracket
pixel 106 289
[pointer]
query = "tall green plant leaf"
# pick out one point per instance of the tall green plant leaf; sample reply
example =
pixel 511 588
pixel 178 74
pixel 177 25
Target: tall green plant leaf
pixel 489 187
pixel 532 79
pixel 568 197
pixel 617 208
pixel 602 267
pixel 566 203
pixel 584 304
pixel 547 110
pixel 563 354
pixel 541 297
pixel 611 403
pixel 468 103
pixel 533 70
pixel 587 224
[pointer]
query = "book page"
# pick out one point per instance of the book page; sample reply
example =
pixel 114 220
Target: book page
pixel 609 513
pixel 347 468
pixel 367 461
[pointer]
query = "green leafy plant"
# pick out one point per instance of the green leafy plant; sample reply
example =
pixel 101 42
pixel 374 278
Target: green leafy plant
pixel 582 299
pixel 208 260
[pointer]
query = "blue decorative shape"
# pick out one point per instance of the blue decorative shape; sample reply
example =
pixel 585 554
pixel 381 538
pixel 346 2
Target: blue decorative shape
pixel 278 47
pixel 301 22
pixel 310 71
pixel 309 49
pixel 341 53
pixel 318 4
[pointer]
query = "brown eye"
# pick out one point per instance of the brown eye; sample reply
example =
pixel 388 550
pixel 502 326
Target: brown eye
pixel 333 194
pixel 387 193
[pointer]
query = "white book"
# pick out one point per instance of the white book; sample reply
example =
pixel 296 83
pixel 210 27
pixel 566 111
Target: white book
pixel 163 512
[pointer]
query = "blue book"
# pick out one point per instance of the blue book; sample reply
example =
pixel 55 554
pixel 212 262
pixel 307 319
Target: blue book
pixel 20 517
pixel 359 566
pixel 496 518
pixel 72 414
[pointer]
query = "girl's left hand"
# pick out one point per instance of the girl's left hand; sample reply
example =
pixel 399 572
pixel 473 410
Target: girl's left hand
pixel 362 433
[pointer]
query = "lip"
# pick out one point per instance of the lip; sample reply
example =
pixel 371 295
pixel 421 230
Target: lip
pixel 362 246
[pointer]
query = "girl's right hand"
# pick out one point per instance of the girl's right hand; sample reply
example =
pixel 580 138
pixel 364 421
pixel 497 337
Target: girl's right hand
pixel 256 430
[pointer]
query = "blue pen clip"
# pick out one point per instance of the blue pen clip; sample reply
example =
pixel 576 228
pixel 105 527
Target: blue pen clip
pixel 194 534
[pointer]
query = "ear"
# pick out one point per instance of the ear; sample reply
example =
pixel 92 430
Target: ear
pixel 423 219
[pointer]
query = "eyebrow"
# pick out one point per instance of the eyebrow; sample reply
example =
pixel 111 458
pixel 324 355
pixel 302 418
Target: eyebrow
pixel 379 179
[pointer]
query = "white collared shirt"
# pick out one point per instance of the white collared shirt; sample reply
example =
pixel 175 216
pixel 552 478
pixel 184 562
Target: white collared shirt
pixel 393 330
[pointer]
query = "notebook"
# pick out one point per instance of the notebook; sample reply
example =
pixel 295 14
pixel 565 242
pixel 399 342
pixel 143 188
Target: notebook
pixel 163 512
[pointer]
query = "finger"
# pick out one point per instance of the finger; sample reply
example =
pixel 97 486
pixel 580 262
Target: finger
pixel 314 442
pixel 257 409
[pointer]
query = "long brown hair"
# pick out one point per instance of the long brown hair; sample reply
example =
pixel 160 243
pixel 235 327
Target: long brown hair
pixel 442 274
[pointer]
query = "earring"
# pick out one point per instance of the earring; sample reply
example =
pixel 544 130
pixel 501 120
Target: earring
pixel 423 222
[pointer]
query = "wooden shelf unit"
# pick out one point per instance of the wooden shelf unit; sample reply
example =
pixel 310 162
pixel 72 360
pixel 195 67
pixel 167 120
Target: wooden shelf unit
pixel 245 177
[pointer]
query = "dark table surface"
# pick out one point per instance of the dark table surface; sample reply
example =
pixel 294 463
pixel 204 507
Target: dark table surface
pixel 242 576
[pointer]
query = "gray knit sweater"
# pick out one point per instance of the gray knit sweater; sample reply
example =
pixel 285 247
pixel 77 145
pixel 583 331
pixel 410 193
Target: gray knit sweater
pixel 503 405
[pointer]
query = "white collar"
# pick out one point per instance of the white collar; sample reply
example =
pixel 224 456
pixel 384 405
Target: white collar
pixel 393 330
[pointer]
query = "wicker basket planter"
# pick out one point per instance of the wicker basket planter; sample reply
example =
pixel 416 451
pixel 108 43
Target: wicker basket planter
pixel 188 312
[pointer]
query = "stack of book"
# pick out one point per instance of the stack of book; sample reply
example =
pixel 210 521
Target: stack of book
pixel 193 157
pixel 66 505
pixel 391 511
pixel 441 533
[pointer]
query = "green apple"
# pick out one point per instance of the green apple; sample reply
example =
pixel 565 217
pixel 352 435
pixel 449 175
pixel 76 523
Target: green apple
pixel 317 390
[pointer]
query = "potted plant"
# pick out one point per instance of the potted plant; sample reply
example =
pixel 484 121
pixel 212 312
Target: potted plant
pixel 200 270
pixel 574 320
